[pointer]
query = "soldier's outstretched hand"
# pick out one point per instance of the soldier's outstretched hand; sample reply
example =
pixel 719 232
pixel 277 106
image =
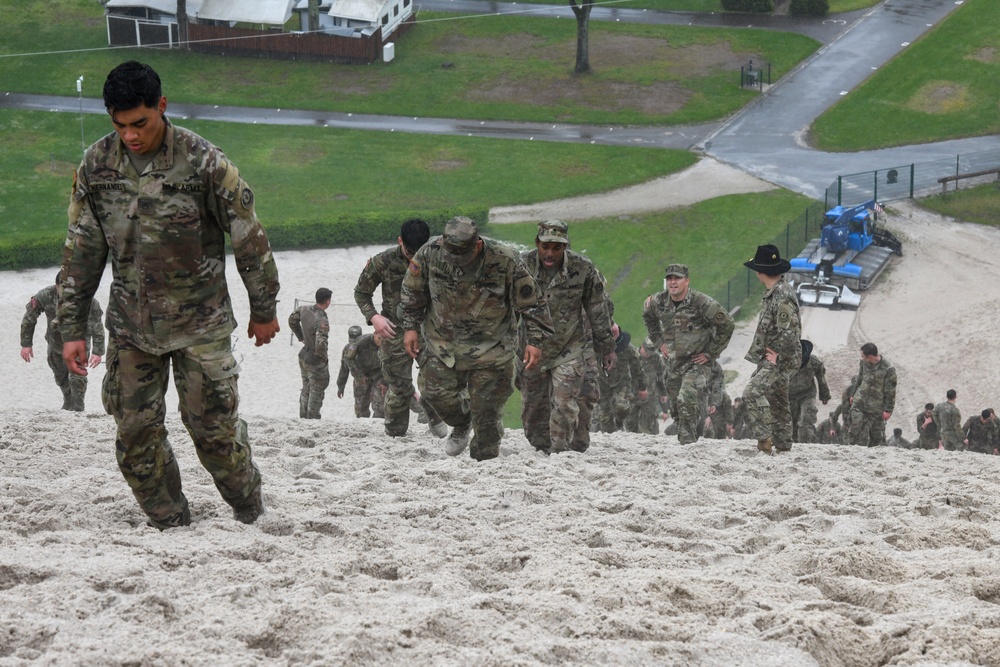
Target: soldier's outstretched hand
pixel 263 332
pixel 532 355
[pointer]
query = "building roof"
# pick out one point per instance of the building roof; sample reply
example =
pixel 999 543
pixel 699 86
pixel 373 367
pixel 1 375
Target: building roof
pixel 359 10
pixel 270 12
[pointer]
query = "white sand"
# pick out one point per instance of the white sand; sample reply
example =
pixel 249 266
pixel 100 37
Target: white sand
pixel 640 551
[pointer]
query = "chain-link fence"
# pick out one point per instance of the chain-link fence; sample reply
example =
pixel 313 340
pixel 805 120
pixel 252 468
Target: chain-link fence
pixel 910 181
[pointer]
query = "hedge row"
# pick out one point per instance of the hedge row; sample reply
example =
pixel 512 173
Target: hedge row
pixel 809 7
pixel 756 6
pixel 371 229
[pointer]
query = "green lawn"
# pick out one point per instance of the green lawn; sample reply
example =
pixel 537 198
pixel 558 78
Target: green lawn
pixel 979 204
pixel 945 86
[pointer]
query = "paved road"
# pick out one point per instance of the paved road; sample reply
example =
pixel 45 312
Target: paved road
pixel 764 139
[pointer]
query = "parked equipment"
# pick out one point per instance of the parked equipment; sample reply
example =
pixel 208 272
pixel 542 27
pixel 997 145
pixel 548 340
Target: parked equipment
pixel 850 253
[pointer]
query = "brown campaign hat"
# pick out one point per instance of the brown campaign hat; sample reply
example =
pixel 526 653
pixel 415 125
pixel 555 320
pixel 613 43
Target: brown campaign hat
pixel 459 240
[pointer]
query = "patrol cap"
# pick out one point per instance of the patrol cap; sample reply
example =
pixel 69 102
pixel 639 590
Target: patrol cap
pixel 354 331
pixel 679 270
pixel 553 231
pixel 459 240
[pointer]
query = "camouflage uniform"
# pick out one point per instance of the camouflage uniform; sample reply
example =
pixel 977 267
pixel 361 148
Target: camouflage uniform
pixel 949 421
pixel 696 325
pixel 802 398
pixel 898 441
pixel 73 386
pixel 558 395
pixel 312 327
pixel 843 411
pixel 929 435
pixel 823 432
pixel 766 394
pixel 872 393
pixel 618 388
pixel 982 435
pixel 361 359
pixel 165 230
pixel 644 416
pixel 467 316
pixel 717 424
pixel 741 427
pixel 388 269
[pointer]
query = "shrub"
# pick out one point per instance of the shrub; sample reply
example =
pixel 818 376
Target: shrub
pixel 809 7
pixel 756 6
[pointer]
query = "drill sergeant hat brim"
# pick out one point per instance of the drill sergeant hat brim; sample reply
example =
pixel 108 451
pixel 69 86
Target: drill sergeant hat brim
pixel 768 261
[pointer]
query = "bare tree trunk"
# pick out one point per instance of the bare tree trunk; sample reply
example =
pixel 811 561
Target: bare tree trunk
pixel 313 15
pixel 582 12
pixel 182 23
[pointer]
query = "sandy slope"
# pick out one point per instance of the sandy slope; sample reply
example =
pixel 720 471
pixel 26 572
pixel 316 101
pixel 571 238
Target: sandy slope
pixel 638 552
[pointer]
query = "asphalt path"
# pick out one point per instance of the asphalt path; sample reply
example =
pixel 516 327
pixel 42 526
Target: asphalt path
pixel 766 138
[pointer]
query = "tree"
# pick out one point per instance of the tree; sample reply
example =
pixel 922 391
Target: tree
pixel 182 23
pixel 313 15
pixel 582 12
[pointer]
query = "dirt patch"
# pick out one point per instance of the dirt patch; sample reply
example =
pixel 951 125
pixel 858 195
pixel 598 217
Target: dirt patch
pixel 447 165
pixel 511 46
pixel 357 81
pixel 55 168
pixel 297 153
pixel 940 97
pixel 986 55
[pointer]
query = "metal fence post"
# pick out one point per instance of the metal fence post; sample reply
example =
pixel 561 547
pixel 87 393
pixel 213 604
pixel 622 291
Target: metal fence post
pixel 876 186
pixel 913 176
pixel 840 189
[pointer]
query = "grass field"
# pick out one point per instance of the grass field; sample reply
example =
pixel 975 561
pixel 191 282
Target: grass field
pixel 945 86
pixel 979 204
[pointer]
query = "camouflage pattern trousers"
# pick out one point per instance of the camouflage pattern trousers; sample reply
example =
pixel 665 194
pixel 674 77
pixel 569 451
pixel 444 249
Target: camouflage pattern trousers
pixel 205 378
pixel 688 390
pixel 804 415
pixel 557 405
pixel 397 371
pixel 644 417
pixel 475 397
pixel 73 386
pixel 867 429
pixel 369 401
pixel 613 406
pixel 315 379
pixel 766 401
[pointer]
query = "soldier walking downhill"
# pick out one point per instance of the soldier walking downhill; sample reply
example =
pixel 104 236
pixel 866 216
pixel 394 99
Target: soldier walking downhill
pixel 464 293
pixel 73 386
pixel 691 330
pixel 386 270
pixel 312 327
pixel 158 200
pixel 559 394
pixel 777 352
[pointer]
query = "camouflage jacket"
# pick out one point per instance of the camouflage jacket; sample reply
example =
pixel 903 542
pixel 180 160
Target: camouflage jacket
pixel 874 388
pixel 779 328
pixel 165 232
pixel 900 441
pixel 698 324
pixel 312 327
pixel 982 436
pixel 578 306
pixel 626 375
pixel 386 269
pixel 360 359
pixel 803 383
pixel 467 313
pixel 949 420
pixel 45 302
pixel 927 433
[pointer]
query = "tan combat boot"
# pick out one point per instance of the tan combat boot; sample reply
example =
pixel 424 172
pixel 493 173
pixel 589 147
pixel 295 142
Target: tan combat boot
pixel 765 446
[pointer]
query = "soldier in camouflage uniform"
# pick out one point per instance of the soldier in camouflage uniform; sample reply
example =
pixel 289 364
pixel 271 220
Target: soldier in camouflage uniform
pixel 927 428
pixel 644 416
pixel 843 411
pixel 741 428
pixel 873 398
pixel 73 386
pixel 386 270
pixel 949 420
pixel 802 394
pixel 981 434
pixel 620 386
pixel 465 293
pixel 828 431
pixel 312 327
pixel 159 200
pixel 719 416
pixel 777 352
pixel 897 439
pixel 558 395
pixel 691 330
pixel 361 360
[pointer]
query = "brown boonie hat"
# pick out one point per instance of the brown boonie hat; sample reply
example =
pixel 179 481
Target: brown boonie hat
pixel 679 270
pixel 553 231
pixel 459 240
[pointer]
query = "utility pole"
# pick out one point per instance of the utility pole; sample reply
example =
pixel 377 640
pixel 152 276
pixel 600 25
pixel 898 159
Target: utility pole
pixel 79 92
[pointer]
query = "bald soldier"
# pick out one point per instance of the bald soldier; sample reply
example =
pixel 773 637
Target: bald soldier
pixel 558 395
pixel 465 293
pixel 692 330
